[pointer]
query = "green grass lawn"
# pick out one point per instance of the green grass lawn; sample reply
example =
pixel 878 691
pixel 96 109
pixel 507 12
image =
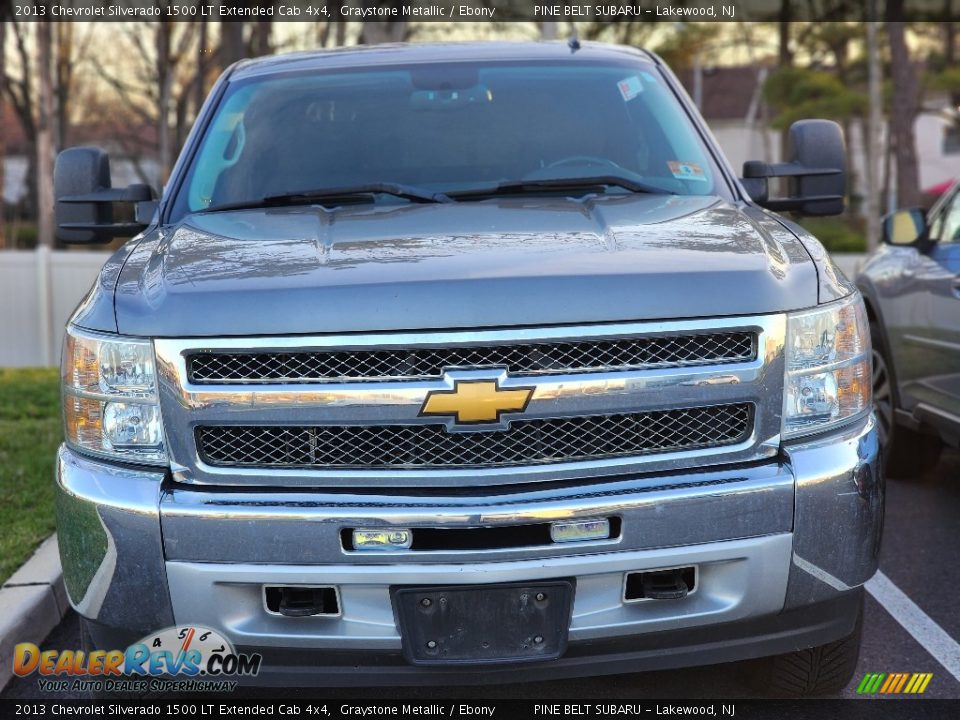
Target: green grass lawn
pixel 30 431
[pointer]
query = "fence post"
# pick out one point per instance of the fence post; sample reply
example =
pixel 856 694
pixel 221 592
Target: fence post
pixel 44 304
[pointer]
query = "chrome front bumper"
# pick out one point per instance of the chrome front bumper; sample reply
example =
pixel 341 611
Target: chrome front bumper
pixel 140 553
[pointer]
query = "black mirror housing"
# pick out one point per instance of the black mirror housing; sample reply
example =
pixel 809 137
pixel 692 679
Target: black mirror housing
pixel 817 171
pixel 85 197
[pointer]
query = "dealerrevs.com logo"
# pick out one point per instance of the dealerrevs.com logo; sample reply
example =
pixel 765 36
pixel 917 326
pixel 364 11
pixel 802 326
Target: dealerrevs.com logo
pixel 176 659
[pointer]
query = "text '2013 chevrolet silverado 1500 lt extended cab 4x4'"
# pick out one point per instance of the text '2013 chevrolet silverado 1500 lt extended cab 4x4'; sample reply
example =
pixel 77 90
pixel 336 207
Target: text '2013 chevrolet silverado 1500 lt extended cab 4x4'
pixel 470 363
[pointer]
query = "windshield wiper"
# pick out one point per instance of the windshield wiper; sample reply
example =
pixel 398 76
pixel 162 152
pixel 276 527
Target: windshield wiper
pixel 336 196
pixel 593 183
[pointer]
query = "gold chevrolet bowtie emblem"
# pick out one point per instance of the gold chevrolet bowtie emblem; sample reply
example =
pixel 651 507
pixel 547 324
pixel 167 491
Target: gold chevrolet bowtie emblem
pixel 476 401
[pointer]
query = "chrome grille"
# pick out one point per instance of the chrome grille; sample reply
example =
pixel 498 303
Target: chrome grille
pixel 520 359
pixel 427 446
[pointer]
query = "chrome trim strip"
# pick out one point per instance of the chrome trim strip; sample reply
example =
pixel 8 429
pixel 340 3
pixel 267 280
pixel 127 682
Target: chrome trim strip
pixel 440 338
pixel 202 525
pixel 186 405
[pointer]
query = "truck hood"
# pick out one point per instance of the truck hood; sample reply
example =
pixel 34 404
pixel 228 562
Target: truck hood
pixel 495 263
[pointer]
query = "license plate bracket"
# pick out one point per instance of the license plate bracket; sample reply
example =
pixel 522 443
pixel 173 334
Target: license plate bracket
pixel 476 624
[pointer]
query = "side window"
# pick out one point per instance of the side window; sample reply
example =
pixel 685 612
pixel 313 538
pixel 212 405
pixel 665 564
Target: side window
pixel 222 148
pixel 946 226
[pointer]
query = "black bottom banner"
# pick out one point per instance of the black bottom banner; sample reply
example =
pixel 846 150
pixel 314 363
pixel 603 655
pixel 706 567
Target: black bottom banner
pixel 912 709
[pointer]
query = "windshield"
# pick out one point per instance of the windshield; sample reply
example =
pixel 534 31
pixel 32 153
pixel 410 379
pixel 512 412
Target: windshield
pixel 446 128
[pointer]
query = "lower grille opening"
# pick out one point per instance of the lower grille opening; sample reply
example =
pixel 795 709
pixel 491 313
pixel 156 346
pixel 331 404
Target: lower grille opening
pixel 482 538
pixel 294 601
pixel 525 442
pixel 671 584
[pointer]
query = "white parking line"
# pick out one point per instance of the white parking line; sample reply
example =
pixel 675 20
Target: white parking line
pixel 915 621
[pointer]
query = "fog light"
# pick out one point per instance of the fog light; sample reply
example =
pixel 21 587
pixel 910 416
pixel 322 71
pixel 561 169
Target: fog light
pixel 578 530
pixel 386 539
pixel 132 425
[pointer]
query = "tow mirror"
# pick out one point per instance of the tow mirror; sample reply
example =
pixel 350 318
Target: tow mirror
pixel 817 171
pixel 905 227
pixel 85 198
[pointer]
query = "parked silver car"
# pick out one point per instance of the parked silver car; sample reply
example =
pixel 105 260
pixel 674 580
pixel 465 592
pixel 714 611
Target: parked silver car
pixel 911 287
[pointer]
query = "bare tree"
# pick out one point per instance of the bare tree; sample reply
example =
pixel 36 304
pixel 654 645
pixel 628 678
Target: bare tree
pixel 45 134
pixel 19 92
pixel 71 44
pixel 906 95
pixel 159 81
pixel 21 86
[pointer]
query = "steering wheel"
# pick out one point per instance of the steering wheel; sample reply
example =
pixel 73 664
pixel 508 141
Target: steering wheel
pixel 584 160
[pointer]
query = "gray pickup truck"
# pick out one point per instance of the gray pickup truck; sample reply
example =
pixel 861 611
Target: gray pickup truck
pixel 470 363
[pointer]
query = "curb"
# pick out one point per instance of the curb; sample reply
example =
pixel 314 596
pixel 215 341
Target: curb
pixel 33 601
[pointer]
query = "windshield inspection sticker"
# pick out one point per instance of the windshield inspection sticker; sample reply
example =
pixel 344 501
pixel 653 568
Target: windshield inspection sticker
pixel 686 171
pixel 630 87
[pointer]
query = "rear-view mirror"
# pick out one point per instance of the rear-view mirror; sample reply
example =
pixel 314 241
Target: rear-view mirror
pixel 905 227
pixel 84 198
pixel 817 171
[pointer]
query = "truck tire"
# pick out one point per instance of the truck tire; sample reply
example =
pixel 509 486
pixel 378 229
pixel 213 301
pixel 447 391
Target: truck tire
pixel 907 455
pixel 822 670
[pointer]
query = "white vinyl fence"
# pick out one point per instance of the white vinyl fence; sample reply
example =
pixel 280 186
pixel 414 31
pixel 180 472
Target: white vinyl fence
pixel 38 292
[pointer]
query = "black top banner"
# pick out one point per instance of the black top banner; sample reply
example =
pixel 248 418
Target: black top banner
pixel 190 707
pixel 483 10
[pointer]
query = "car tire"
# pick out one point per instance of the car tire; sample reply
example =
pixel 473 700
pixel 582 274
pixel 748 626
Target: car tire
pixel 822 670
pixel 907 455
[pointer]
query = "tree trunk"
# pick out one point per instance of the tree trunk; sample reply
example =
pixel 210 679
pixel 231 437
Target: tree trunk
pixel 3 117
pixel 164 90
pixel 45 118
pixel 950 46
pixel 784 59
pixel 231 42
pixel 64 82
pixel 904 109
pixel 376 32
pixel 19 92
pixel 785 56
pixel 385 31
pixel 872 126
pixel 262 37
pixel 200 81
pixel 852 179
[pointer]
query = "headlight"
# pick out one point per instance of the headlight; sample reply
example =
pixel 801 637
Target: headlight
pixel 110 403
pixel 828 374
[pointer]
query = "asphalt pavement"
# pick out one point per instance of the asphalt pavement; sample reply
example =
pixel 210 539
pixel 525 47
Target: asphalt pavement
pixel 921 535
